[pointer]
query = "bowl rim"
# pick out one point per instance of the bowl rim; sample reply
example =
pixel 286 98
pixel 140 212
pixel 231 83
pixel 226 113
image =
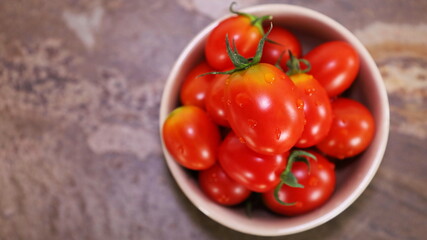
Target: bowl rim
pixel 213 210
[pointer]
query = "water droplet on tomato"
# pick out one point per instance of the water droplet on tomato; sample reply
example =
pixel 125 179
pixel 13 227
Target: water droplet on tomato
pixel 227 81
pixel 242 99
pixel 242 140
pixel 269 78
pixel 300 103
pixel 252 123
pixel 310 91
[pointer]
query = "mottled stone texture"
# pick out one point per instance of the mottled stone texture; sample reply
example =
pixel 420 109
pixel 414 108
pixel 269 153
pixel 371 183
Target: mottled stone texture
pixel 80 87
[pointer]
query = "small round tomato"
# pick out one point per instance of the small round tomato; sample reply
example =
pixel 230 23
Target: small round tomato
pixel 257 172
pixel 191 137
pixel 194 88
pixel 215 101
pixel 318 183
pixel 264 108
pixel 244 30
pixel 219 187
pixel 352 129
pixel 335 65
pixel 317 110
pixel 283 42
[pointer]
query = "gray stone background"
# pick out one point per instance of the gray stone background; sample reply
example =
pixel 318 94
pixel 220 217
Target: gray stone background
pixel 80 87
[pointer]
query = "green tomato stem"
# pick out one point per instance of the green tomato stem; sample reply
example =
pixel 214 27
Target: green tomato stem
pixel 293 64
pixel 287 177
pixel 255 21
pixel 241 63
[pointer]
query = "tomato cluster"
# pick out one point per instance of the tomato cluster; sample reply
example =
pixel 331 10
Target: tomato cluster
pixel 255 118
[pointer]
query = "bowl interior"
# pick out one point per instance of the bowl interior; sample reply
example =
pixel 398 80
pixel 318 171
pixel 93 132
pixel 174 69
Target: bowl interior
pixel 311 28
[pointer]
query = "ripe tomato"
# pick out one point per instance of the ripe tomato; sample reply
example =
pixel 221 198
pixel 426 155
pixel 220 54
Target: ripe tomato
pixel 317 110
pixel 244 29
pixel 335 64
pixel 286 42
pixel 257 172
pixel 215 101
pixel 351 132
pixel 317 107
pixel 318 181
pixel 264 108
pixel 194 88
pixel 191 137
pixel 219 187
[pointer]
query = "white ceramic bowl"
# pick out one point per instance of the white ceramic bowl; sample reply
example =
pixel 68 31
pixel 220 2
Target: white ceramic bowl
pixel 312 28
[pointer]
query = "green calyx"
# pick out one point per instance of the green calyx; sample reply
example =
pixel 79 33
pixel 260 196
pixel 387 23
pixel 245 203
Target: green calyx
pixel 288 178
pixel 241 63
pixel 293 64
pixel 255 21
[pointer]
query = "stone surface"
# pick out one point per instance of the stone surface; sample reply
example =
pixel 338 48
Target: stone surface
pixel 81 83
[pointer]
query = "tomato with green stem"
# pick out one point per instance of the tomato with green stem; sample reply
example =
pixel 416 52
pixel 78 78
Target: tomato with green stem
pixel 317 106
pixel 220 188
pixel 352 129
pixel 263 106
pixel 191 137
pixel 316 184
pixel 280 41
pixel 245 30
pixel 257 172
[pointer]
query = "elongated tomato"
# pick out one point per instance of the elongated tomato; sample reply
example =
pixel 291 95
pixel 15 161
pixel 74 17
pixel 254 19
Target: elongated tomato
pixel 191 137
pixel 264 108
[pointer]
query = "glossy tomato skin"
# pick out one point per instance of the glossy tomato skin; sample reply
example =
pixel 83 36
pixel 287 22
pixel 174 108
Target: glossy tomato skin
pixel 257 172
pixel 220 188
pixel 215 100
pixel 351 132
pixel 191 137
pixel 264 108
pixel 319 183
pixel 195 87
pixel 240 30
pixel 288 42
pixel 335 65
pixel 317 110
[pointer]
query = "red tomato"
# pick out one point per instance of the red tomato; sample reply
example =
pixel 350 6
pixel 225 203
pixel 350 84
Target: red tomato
pixel 215 101
pixel 257 172
pixel 191 137
pixel 351 132
pixel 194 88
pixel 240 29
pixel 287 41
pixel 319 184
pixel 335 65
pixel 264 108
pixel 317 110
pixel 215 183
